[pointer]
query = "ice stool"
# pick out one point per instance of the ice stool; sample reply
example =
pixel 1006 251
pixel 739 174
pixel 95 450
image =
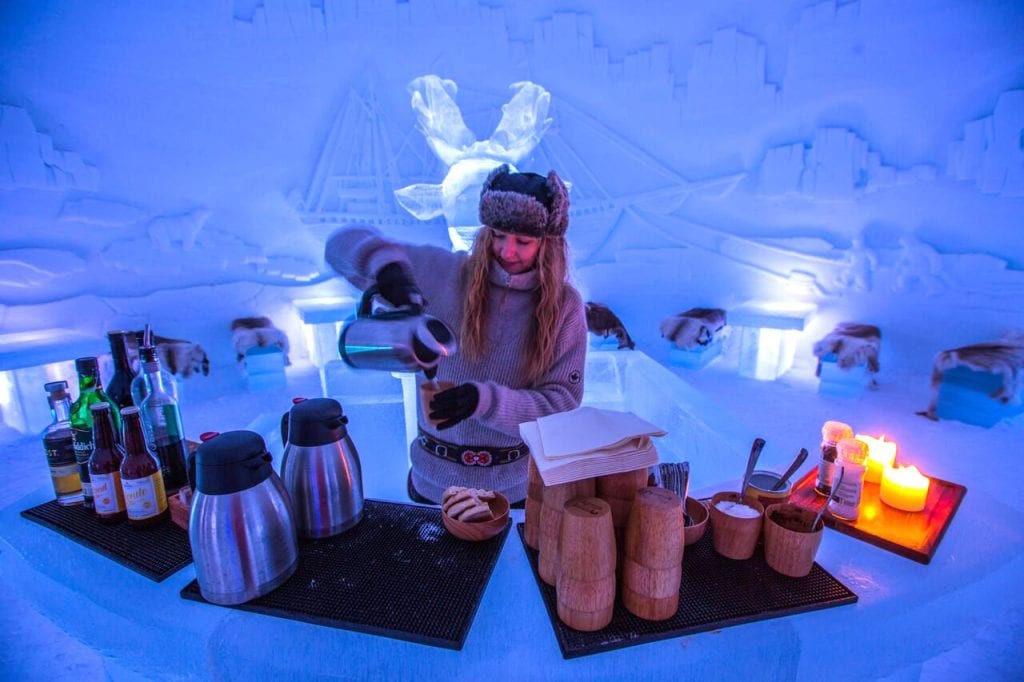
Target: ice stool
pixel 979 384
pixel 848 359
pixel 696 336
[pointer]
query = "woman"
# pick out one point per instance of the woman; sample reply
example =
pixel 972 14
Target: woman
pixel 521 327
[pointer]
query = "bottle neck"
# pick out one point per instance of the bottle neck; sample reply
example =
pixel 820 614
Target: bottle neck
pixel 119 351
pixel 134 440
pixel 103 430
pixel 155 376
pixel 61 409
pixel 88 382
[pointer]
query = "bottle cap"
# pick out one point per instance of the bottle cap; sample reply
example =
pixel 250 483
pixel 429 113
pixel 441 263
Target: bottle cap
pixel 129 411
pixel 836 431
pixel 58 390
pixel 100 407
pixel 89 366
pixel 853 450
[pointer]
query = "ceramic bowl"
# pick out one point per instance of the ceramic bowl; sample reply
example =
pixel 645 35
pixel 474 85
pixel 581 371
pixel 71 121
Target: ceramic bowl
pixel 698 513
pixel 475 531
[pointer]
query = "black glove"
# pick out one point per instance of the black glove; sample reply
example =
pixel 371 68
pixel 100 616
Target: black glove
pixel 454 405
pixel 398 288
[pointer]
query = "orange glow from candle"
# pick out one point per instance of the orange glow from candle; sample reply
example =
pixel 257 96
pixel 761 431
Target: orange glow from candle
pixel 881 454
pixel 904 488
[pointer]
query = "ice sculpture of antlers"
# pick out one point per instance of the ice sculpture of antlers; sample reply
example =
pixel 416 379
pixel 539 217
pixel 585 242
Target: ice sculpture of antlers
pixel 523 122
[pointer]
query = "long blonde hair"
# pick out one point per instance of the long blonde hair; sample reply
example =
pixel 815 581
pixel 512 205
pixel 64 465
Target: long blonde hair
pixel 539 350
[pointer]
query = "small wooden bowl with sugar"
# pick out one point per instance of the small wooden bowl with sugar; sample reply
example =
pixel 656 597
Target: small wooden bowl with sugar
pixel 473 514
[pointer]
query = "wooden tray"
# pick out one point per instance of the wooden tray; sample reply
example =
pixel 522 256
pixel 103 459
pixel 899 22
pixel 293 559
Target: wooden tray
pixel 914 535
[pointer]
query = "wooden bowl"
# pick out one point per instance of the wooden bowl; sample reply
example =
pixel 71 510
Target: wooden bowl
pixel 475 531
pixel 699 514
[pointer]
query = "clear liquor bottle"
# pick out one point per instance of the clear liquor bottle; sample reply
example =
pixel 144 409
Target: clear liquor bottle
pixel 140 387
pixel 143 484
pixel 59 443
pixel 105 467
pixel 162 418
pixel 90 392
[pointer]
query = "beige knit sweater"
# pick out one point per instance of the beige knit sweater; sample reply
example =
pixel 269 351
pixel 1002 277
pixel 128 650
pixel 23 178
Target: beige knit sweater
pixel 358 253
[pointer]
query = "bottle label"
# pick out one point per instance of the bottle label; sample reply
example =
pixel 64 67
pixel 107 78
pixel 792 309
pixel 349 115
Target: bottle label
pixel 107 493
pixel 65 479
pixel 846 498
pixel 144 497
pixel 826 474
pixel 61 455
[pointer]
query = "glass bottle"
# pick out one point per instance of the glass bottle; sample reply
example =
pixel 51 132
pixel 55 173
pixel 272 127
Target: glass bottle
pixel 143 484
pixel 140 388
pixel 119 388
pixel 90 392
pixel 845 500
pixel 162 418
pixel 105 467
pixel 59 443
pixel 831 433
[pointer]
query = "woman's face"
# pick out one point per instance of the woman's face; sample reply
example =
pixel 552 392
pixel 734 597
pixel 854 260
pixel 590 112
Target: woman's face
pixel 515 253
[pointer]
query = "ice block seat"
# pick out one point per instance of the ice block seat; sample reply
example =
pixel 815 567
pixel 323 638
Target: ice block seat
pixel 848 359
pixel 264 368
pixel 29 359
pixel 768 334
pixel 979 384
pixel 696 335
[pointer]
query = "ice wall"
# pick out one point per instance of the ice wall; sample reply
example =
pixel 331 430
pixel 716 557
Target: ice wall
pixel 182 164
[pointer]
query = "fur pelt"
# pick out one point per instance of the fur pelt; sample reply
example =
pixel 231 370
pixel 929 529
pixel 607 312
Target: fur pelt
pixel 1004 359
pixel 603 322
pixel 177 356
pixel 853 343
pixel 257 332
pixel 694 328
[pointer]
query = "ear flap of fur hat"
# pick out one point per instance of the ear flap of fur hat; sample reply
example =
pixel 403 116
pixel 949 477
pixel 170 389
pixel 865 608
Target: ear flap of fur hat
pixel 524 203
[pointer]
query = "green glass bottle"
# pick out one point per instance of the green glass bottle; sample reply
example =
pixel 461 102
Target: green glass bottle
pixel 90 392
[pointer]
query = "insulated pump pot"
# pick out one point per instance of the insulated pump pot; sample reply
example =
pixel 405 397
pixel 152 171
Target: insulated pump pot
pixel 321 469
pixel 241 526
pixel 396 340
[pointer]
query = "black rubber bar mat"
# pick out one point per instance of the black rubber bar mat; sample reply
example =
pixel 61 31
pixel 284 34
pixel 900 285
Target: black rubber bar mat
pixel 156 552
pixel 397 574
pixel 715 593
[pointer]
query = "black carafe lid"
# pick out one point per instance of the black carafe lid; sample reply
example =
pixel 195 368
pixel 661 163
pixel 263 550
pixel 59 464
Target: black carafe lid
pixel 231 462
pixel 317 421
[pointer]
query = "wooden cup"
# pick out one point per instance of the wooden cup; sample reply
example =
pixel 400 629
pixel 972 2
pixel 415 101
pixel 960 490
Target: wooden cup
pixel 732 536
pixel 619 491
pixel 653 555
pixel 789 543
pixel 585 588
pixel 534 502
pixel 428 390
pixel 554 499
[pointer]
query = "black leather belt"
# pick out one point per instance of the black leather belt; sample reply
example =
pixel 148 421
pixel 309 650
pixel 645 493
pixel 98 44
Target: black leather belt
pixel 472 455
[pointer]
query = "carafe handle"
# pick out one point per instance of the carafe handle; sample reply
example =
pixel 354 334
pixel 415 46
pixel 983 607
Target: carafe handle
pixel 365 309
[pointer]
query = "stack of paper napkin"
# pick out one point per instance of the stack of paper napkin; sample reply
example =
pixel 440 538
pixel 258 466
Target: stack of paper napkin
pixel 588 442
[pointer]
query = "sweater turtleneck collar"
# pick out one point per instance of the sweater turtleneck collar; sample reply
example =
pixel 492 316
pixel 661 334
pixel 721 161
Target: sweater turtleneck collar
pixel 524 281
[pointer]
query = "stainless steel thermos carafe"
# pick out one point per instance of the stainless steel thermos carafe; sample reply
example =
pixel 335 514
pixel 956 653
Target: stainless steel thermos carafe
pixel 241 528
pixel 321 469
pixel 396 340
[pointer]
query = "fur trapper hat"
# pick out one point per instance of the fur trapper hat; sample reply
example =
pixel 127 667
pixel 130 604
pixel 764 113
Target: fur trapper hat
pixel 525 203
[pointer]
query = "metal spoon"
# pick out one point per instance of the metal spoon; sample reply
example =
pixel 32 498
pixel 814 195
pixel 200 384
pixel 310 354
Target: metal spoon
pixel 797 463
pixel 755 452
pixel 835 487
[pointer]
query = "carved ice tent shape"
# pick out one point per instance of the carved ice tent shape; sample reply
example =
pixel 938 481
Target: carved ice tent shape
pixel 361 165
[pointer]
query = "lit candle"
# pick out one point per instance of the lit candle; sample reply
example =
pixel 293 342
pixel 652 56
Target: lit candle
pixel 904 488
pixel 881 454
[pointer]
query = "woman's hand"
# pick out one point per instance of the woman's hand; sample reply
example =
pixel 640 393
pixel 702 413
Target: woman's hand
pixel 454 405
pixel 397 286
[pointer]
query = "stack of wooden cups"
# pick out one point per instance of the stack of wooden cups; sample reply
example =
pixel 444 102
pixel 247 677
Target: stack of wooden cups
pixel 534 501
pixel 554 498
pixel 585 590
pixel 619 491
pixel 652 560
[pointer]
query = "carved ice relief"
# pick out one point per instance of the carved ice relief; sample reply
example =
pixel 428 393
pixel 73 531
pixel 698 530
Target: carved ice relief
pixel 992 150
pixel 29 160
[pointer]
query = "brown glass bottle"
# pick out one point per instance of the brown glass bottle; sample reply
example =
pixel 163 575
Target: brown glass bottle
pixel 141 480
pixel 105 467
